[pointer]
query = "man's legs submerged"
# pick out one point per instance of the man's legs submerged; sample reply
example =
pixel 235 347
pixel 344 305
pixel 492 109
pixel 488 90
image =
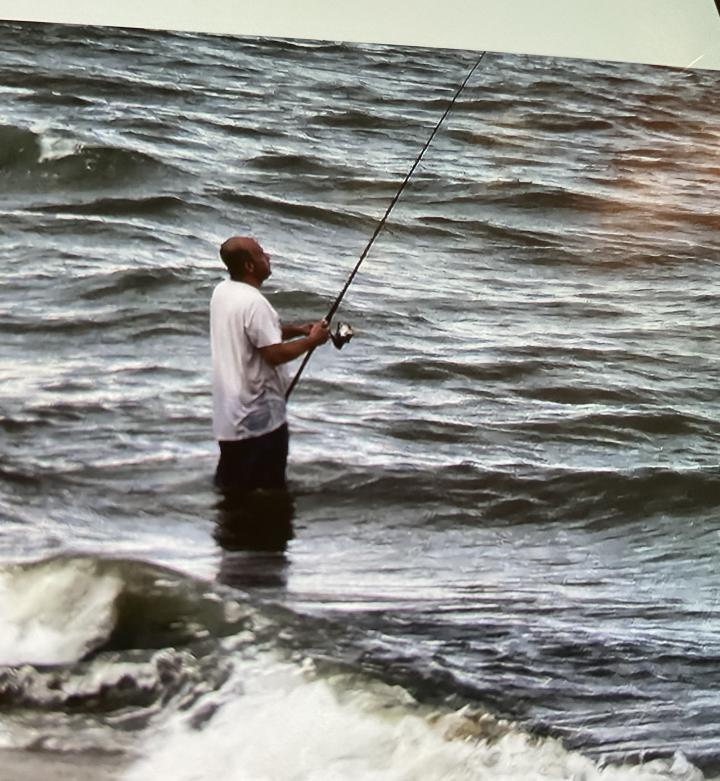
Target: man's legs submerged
pixel 253 520
pixel 259 462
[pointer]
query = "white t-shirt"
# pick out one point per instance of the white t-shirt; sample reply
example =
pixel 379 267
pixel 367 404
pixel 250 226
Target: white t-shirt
pixel 248 392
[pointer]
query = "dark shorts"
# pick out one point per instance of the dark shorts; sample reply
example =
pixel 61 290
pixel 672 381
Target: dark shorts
pixel 248 464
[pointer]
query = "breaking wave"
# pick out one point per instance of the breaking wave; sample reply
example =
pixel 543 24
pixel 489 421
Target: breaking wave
pixel 39 161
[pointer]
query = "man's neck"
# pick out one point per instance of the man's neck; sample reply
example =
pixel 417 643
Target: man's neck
pixel 247 280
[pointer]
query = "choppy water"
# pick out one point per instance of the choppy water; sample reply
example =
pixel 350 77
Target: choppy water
pixel 502 560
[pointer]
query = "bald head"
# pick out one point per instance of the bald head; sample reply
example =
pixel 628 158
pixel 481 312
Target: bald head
pixel 245 260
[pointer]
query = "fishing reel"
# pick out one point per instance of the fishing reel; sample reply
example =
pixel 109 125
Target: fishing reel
pixel 342 335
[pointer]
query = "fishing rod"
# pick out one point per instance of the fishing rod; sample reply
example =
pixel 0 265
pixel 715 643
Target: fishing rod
pixel 344 332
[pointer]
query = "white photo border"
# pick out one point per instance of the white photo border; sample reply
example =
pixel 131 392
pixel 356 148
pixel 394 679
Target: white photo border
pixel 677 33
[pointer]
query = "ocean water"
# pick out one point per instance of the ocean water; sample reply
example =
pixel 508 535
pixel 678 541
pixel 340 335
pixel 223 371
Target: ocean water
pixel 499 555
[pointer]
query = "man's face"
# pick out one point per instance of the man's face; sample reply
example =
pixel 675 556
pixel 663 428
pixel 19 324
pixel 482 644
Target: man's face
pixel 261 263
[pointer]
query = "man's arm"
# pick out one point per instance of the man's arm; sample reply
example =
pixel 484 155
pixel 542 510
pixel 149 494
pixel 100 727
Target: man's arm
pixel 292 330
pixel 275 354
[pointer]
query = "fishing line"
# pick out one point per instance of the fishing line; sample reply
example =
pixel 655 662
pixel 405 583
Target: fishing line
pixel 382 222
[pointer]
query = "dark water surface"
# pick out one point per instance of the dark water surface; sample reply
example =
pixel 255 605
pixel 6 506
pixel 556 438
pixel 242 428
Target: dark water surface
pixel 505 490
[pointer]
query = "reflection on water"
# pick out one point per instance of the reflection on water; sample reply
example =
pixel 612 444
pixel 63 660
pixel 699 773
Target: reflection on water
pixel 253 530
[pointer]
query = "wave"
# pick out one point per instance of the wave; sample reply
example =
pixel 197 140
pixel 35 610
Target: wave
pixel 441 370
pixel 103 646
pixel 485 104
pixel 525 195
pixel 128 321
pixel 300 164
pixel 54 614
pixel 113 84
pixel 148 206
pixel 521 493
pixel 528 238
pixel 39 162
pixel 560 123
pixel 260 132
pixel 664 126
pixel 301 47
pixel 354 728
pixel 64 609
pixel 39 416
pixel 487 139
pixel 627 425
pixel 11 473
pixel 361 120
pixel 303 211
pixel 50 98
pixel 519 194
pixel 16 424
pixel 116 645
pixel 424 430
pixel 520 368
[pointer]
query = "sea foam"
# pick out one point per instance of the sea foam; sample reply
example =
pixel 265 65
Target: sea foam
pixel 56 613
pixel 276 722
pixel 53 146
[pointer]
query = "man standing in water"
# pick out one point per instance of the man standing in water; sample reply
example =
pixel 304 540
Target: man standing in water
pixel 250 348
